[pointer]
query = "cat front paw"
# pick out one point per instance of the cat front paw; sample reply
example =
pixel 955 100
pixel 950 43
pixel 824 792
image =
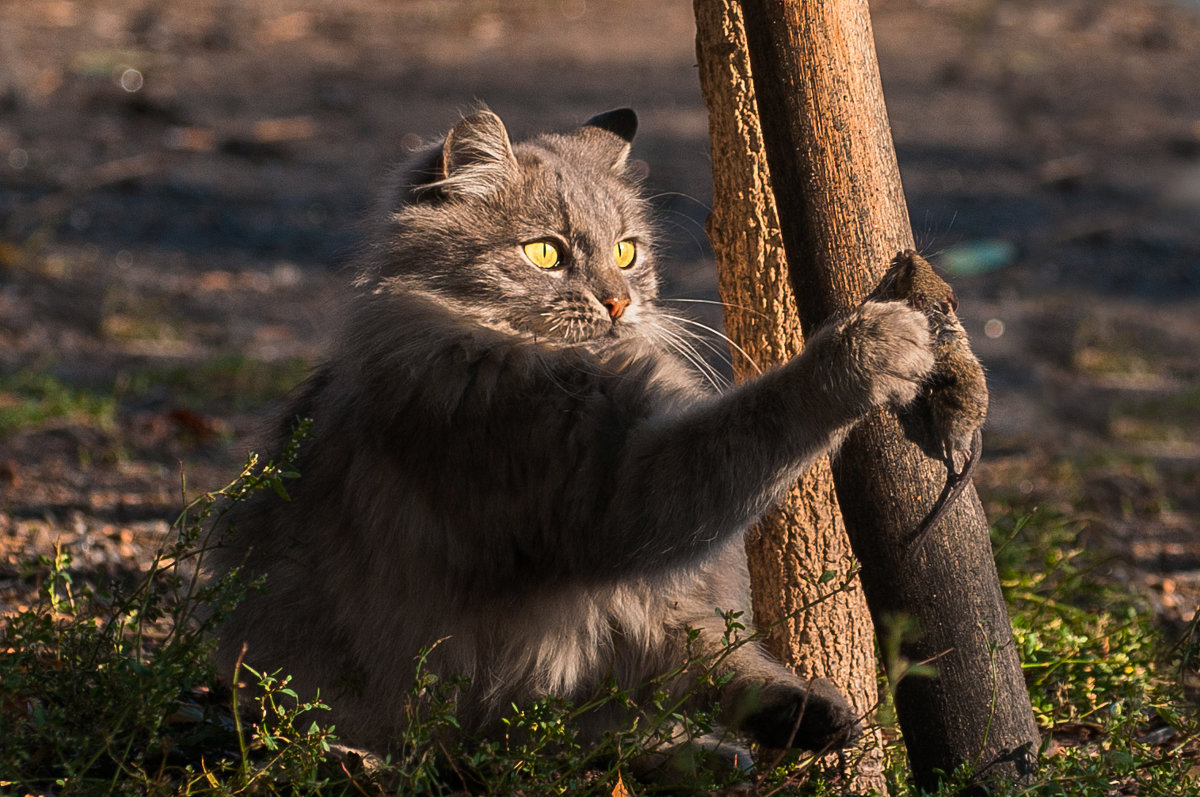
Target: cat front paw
pixel 815 717
pixel 889 351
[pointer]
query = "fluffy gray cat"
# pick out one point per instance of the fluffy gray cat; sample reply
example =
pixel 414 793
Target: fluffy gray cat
pixel 508 459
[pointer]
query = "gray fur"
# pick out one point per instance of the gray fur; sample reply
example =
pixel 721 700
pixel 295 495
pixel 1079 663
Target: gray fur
pixel 500 467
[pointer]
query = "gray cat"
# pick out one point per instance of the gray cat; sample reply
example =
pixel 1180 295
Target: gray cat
pixel 509 460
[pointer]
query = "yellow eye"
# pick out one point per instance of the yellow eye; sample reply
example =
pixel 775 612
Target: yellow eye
pixel 624 252
pixel 542 254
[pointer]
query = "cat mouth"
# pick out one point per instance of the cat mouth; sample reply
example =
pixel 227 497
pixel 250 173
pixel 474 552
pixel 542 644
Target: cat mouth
pixel 571 327
pixel 599 330
pixel 611 329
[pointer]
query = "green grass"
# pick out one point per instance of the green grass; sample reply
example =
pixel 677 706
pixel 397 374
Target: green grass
pixel 1168 419
pixel 229 381
pixel 31 398
pixel 225 382
pixel 110 691
pixel 102 688
pixel 1103 678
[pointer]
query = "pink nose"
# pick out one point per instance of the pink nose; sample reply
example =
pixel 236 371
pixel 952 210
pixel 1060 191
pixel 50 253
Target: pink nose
pixel 616 306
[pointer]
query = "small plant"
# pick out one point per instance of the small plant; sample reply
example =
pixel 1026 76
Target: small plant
pixel 105 689
pixel 1103 684
pixel 541 750
pixel 95 680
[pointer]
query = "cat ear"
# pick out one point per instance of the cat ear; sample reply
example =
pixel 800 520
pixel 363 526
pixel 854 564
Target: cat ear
pixel 613 129
pixel 477 157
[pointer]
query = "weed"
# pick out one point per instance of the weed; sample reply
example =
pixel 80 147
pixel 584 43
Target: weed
pixel 91 678
pixel 1102 679
pixel 110 691
pixel 104 690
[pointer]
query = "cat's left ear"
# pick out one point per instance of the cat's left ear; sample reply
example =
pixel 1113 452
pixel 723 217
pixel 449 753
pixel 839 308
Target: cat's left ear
pixel 614 130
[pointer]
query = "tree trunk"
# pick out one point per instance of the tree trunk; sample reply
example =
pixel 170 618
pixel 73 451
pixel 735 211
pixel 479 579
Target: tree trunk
pixel 843 219
pixel 814 632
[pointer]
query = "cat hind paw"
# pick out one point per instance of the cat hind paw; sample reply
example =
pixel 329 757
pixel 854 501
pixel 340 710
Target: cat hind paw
pixel 815 717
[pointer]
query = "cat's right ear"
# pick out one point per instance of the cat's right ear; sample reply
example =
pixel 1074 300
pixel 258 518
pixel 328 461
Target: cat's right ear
pixel 476 159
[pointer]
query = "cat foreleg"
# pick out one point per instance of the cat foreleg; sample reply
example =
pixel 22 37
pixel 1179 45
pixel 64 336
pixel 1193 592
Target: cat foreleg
pixel 691 480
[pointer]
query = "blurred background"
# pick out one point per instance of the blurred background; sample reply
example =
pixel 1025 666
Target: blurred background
pixel 181 182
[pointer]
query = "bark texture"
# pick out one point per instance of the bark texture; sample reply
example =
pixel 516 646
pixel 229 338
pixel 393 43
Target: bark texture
pixel 813 631
pixel 843 219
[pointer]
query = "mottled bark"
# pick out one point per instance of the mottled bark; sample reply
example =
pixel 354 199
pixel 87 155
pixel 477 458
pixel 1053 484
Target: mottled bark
pixel 812 626
pixel 842 220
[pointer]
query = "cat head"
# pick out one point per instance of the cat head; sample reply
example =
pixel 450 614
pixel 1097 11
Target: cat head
pixel 548 237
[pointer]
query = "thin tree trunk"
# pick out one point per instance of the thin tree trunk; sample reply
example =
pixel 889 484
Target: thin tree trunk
pixel 814 632
pixel 843 219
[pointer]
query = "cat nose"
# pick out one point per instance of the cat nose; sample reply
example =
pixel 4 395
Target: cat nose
pixel 616 306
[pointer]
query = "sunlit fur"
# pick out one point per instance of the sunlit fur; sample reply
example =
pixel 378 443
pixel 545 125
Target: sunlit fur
pixel 503 467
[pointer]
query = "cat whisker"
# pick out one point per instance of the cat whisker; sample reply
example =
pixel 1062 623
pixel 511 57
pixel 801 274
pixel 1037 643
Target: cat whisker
pixel 680 344
pixel 718 304
pixel 554 323
pixel 720 353
pixel 554 378
pixel 681 195
pixel 719 334
pixel 694 230
pixel 717 374
pixel 677 332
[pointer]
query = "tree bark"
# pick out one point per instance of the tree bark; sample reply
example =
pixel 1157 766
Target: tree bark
pixel 843 218
pixel 813 631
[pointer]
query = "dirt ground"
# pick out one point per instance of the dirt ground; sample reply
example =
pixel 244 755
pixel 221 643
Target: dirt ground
pixel 180 182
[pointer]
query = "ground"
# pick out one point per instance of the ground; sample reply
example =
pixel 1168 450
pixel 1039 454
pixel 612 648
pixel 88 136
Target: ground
pixel 181 180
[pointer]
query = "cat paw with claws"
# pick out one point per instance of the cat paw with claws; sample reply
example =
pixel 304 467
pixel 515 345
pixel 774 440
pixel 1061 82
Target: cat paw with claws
pixel 814 718
pixel 886 353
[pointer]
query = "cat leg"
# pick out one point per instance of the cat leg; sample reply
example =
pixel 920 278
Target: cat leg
pixel 810 716
pixel 762 698
pixel 689 481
